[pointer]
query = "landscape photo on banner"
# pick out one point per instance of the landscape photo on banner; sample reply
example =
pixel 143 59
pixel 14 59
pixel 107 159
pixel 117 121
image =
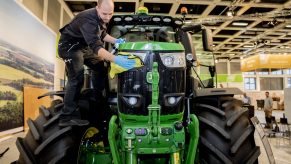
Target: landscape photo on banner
pixel 19 68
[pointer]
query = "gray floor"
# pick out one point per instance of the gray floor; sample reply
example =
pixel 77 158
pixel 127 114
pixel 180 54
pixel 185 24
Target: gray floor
pixel 281 148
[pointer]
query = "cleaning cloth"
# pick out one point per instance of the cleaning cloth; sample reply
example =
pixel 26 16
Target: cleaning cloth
pixel 116 69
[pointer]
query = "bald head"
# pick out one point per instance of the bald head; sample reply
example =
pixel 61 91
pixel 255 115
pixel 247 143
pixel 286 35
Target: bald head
pixel 105 9
pixel 100 2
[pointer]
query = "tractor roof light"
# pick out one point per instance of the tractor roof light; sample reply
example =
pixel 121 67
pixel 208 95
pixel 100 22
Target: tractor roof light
pixel 117 19
pixel 128 18
pixel 156 19
pixel 178 22
pixel 167 20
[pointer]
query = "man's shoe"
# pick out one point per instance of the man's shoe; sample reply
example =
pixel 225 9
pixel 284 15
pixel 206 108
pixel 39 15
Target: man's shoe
pixel 73 122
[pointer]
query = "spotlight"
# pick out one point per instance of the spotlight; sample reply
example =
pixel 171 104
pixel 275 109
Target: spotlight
pixel 272 23
pixel 230 13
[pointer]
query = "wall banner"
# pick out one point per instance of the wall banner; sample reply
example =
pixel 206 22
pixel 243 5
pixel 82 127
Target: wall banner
pixel 261 61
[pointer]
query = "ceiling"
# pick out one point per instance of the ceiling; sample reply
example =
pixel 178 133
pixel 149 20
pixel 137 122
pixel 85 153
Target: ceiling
pixel 257 26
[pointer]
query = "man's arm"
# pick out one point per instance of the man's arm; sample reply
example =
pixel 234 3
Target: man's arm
pixel 122 61
pixel 105 55
pixel 109 39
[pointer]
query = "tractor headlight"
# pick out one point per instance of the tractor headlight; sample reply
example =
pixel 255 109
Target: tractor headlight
pixel 173 59
pixel 168 61
pixel 171 100
pixel 132 100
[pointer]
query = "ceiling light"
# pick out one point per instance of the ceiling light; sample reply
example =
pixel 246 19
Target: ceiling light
pixel 241 57
pixel 276 41
pixel 248 46
pixel 231 54
pixel 237 40
pixel 230 13
pixel 240 23
pixel 250 33
pixel 288 26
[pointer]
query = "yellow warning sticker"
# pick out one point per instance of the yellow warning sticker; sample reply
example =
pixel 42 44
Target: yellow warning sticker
pixel 176 158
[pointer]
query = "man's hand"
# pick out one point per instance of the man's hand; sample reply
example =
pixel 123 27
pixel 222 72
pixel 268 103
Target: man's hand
pixel 124 62
pixel 119 41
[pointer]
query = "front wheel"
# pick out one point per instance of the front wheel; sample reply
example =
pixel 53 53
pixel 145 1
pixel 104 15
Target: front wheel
pixel 46 142
pixel 226 134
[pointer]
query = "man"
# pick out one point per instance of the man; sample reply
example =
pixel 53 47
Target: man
pixel 246 99
pixel 81 42
pixel 268 105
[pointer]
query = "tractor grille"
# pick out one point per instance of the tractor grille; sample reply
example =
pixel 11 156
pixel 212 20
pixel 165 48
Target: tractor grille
pixel 133 85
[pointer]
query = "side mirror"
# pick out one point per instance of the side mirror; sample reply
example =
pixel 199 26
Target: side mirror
pixel 207 39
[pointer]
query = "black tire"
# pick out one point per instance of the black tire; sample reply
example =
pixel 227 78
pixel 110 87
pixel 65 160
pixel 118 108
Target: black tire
pixel 226 134
pixel 46 142
pixel 56 106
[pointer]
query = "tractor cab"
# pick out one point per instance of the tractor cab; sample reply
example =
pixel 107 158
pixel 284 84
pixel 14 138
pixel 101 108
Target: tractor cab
pixel 153 38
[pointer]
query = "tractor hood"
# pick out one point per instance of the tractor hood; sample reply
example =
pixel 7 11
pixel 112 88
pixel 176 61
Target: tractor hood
pixel 151 46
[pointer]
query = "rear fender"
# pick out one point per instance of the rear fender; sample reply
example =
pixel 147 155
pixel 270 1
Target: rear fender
pixel 217 91
pixel 53 93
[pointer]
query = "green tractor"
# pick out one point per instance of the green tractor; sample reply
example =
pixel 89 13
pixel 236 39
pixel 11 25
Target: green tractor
pixel 152 114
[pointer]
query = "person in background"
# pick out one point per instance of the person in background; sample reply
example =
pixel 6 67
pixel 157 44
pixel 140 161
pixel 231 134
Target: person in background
pixel 81 42
pixel 268 107
pixel 246 99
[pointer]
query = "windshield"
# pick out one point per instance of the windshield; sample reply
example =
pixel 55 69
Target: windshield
pixel 144 33
pixel 205 63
